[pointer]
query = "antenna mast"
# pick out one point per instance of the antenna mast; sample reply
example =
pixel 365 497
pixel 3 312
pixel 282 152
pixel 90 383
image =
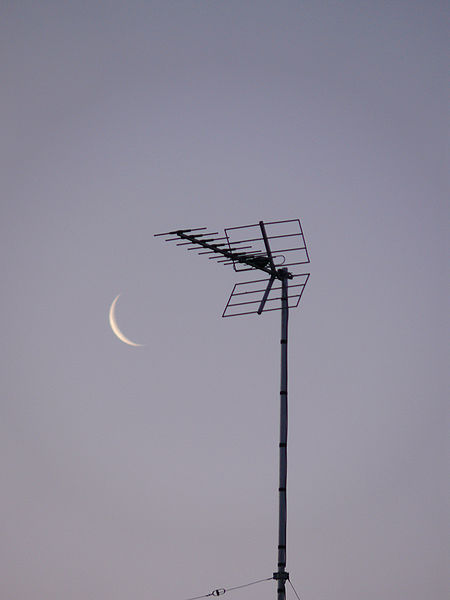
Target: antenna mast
pixel 271 248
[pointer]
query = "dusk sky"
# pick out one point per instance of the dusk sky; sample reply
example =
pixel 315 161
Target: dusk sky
pixel 152 472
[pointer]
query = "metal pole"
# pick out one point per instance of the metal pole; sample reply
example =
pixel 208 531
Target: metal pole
pixel 281 574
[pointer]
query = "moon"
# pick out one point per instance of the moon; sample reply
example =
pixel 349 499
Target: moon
pixel 115 327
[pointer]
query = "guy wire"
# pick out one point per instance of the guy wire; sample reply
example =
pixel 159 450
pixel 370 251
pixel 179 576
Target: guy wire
pixel 221 591
pixel 295 591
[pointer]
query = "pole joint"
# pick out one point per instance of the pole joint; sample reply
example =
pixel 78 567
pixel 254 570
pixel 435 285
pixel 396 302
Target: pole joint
pixel 283 576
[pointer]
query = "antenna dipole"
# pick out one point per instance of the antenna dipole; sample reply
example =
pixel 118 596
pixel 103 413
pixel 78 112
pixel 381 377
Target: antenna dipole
pixel 263 251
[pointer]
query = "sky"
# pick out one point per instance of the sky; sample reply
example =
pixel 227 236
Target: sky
pixel 152 472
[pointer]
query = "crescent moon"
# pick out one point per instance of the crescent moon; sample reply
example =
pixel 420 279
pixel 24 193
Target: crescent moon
pixel 115 327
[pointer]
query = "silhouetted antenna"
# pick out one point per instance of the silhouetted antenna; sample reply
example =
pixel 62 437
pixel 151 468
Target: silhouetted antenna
pixel 271 248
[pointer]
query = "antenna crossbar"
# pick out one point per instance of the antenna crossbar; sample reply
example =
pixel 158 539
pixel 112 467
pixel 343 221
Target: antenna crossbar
pixel 261 262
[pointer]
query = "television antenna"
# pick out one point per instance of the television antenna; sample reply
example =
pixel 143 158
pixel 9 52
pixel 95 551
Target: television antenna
pixel 272 248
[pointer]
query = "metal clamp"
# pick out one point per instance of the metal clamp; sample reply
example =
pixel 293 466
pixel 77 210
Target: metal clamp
pixel 284 575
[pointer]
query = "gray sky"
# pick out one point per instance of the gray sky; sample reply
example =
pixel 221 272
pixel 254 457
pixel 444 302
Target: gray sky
pixel 132 473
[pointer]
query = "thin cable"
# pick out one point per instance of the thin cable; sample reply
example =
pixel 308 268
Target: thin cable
pixel 295 591
pixel 221 591
pixel 198 597
pixel 238 587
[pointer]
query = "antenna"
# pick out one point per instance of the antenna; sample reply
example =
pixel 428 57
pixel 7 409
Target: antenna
pixel 269 247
